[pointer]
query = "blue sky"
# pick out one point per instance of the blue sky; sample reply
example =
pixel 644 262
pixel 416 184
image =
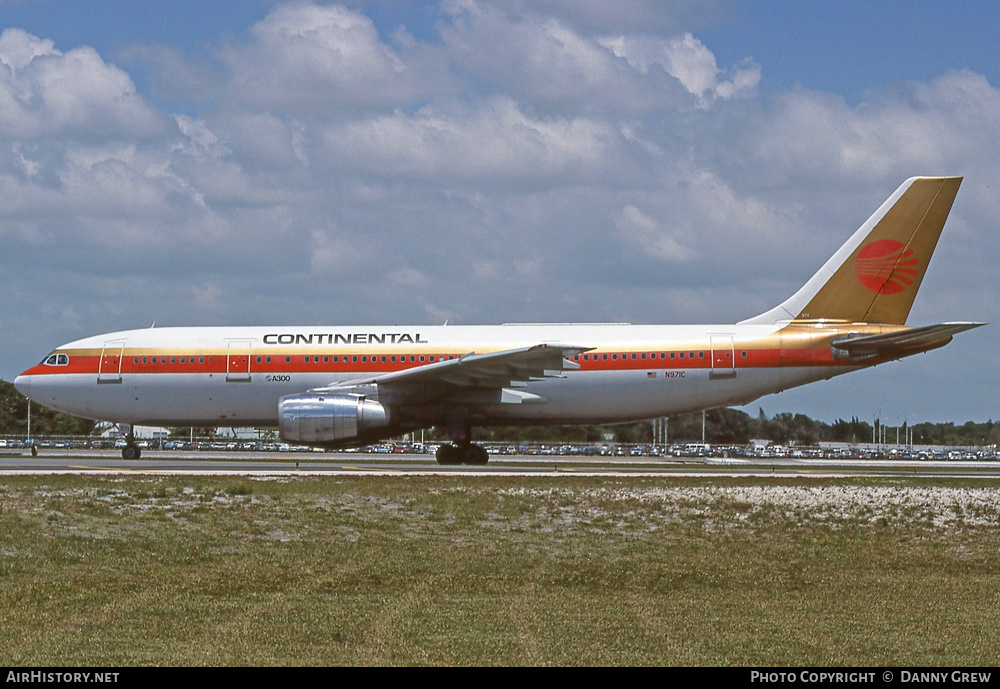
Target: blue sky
pixel 849 48
pixel 857 49
pixel 196 163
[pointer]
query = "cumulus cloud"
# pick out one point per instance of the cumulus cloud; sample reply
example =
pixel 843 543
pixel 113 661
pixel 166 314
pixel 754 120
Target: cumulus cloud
pixel 307 56
pixel 643 233
pixel 940 127
pixel 493 142
pixel 697 219
pixel 690 62
pixel 334 253
pixel 547 63
pixel 44 92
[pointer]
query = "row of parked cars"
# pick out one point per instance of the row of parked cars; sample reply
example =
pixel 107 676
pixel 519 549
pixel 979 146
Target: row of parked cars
pixel 530 449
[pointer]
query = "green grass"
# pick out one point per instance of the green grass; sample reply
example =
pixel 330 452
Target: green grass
pixel 111 571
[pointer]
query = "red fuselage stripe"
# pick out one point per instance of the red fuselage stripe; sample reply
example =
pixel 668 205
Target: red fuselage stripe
pixel 151 361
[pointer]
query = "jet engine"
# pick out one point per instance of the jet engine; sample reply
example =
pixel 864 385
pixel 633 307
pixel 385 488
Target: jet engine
pixel 319 419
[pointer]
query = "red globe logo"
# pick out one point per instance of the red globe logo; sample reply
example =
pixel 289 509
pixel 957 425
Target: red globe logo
pixel 886 266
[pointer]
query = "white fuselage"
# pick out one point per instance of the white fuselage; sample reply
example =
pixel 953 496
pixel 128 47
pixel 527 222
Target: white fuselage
pixel 236 375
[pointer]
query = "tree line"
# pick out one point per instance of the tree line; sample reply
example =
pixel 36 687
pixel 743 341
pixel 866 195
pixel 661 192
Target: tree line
pixel 735 427
pixel 722 427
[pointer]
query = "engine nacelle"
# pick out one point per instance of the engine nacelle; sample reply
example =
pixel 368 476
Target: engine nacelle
pixel 318 419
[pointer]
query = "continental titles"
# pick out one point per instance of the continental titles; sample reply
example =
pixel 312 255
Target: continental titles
pixel 341 338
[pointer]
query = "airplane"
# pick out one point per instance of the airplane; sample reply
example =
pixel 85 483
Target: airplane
pixel 341 386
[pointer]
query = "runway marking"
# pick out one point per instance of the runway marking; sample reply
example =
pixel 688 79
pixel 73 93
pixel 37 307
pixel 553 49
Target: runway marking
pixel 95 468
pixel 386 470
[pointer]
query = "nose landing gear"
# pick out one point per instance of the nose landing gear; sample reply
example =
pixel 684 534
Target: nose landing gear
pixel 131 450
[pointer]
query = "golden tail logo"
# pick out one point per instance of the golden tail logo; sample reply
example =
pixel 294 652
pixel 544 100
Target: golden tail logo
pixel 875 275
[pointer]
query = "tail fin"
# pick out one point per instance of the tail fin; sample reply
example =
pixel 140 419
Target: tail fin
pixel 874 277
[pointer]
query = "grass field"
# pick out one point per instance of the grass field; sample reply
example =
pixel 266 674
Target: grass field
pixel 173 570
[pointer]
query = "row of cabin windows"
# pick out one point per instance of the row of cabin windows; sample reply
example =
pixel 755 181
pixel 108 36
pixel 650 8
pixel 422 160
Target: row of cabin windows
pixel 62 359
pixel 644 355
pixel 364 358
pixel 635 355
pixel 422 358
pixel 173 360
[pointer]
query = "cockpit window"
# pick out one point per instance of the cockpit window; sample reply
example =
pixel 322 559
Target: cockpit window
pixel 56 360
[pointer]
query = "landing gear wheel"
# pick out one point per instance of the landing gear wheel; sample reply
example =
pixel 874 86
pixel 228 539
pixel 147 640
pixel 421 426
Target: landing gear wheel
pixel 462 454
pixel 474 454
pixel 448 454
pixel 131 452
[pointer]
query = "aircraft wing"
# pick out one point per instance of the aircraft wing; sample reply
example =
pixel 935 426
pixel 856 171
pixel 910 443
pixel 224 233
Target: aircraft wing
pixel 497 374
pixel 900 343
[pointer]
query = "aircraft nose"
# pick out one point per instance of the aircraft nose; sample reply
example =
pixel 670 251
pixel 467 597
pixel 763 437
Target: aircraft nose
pixel 23 385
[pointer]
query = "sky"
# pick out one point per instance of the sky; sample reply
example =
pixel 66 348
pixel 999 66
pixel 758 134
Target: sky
pixel 476 162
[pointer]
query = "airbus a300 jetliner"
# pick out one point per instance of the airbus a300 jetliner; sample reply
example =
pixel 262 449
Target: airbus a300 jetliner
pixel 349 386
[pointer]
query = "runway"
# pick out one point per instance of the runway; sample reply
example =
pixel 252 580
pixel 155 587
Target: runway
pixel 338 464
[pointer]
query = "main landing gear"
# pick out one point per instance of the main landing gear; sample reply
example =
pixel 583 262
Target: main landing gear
pixel 462 453
pixel 462 450
pixel 131 450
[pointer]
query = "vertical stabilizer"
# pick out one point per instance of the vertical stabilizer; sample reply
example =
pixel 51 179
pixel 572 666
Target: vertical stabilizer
pixel 875 276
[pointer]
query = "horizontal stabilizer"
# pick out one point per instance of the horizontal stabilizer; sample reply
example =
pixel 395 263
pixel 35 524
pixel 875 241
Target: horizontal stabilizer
pixel 900 343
